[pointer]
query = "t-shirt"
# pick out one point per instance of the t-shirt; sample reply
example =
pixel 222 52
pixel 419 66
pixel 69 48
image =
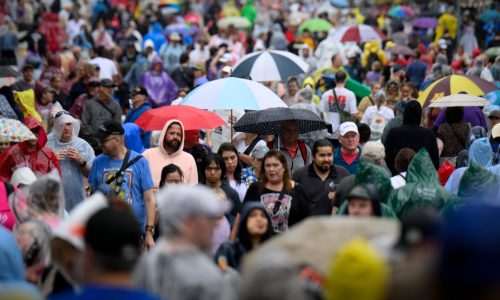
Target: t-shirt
pixel 241 188
pixel 97 292
pixel 349 158
pixel 242 147
pixel 107 67
pixel 293 207
pixel 135 181
pixel 347 102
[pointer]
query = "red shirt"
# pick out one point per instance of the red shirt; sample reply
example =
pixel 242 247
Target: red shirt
pixel 349 158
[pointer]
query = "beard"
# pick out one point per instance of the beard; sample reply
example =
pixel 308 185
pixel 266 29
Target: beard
pixel 324 168
pixel 174 144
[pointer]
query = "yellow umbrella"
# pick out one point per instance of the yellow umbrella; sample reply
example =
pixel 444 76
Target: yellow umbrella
pixel 453 85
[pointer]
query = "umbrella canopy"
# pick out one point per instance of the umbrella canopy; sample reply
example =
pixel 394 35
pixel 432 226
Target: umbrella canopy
pixel 340 3
pixel 191 117
pixel 425 23
pixel 488 15
pixel 459 100
pixel 495 51
pixel 271 65
pixel 268 121
pixel 180 28
pixel 8 71
pixel 238 22
pixel 358 34
pixel 401 11
pixel 233 93
pixel 453 85
pixel 316 25
pixel 317 239
pixel 12 130
pixel 192 18
pixel 401 49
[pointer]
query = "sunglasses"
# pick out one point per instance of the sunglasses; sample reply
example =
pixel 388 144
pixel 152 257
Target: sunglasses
pixel 62 112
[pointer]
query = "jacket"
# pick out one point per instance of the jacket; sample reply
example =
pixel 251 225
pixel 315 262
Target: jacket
pixel 339 160
pixel 94 114
pixel 159 158
pixel 133 115
pixel 412 136
pixel 298 161
pixel 162 90
pixel 234 251
pixel 316 189
pixel 422 188
pixel 40 160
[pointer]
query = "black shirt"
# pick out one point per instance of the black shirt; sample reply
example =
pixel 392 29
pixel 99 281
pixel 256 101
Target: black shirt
pixel 316 189
pixel 293 208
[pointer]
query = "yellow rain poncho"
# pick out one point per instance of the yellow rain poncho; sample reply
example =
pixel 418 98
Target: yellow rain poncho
pixel 26 102
pixel 446 21
pixel 373 47
pixel 230 10
pixel 309 81
pixel 357 272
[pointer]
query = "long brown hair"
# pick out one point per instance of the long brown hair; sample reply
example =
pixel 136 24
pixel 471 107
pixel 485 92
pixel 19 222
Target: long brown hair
pixel 287 180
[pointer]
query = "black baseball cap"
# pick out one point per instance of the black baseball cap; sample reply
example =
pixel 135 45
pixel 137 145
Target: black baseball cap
pixel 107 83
pixel 28 67
pixel 109 128
pixel 114 232
pixel 140 90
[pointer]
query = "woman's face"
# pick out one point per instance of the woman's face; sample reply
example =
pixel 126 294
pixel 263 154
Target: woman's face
pixel 405 92
pixel 274 170
pixel 231 161
pixel 375 88
pixel 360 207
pixel 4 145
pixel 257 223
pixel 173 178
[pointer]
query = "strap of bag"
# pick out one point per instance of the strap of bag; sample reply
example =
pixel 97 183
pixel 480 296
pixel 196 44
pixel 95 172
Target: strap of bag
pixel 106 108
pixel 125 164
pixel 250 147
pixel 303 150
pixel 277 205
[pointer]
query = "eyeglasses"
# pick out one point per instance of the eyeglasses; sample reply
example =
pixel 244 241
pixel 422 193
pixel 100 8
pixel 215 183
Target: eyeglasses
pixel 104 141
pixel 62 112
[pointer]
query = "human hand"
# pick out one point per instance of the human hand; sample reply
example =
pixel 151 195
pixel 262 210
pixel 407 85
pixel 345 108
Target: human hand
pixel 61 155
pixel 75 155
pixel 149 241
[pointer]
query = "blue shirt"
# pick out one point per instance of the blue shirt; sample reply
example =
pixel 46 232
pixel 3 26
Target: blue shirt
pixel 97 292
pixel 339 160
pixel 135 181
pixel 133 115
pixel 416 72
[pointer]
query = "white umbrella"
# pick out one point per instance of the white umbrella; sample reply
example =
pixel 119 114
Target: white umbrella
pixel 233 93
pixel 358 33
pixel 273 65
pixel 459 100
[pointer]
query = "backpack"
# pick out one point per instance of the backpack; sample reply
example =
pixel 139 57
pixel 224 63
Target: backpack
pixel 302 148
pixel 377 126
pixel 372 57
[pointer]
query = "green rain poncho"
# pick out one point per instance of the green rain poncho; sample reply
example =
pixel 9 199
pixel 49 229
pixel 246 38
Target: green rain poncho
pixel 248 11
pixel 422 187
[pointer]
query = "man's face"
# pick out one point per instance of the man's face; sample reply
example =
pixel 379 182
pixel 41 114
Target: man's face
pixel 405 92
pixel 292 88
pixel 349 141
pixel 360 207
pixel 157 68
pixel 173 137
pixel 138 99
pixel 231 160
pixel 197 73
pixel 305 52
pixel 323 159
pixel 290 132
pixel 105 92
pixel 213 173
pixel 28 74
pixel 47 98
pixel 200 231
pixel 56 83
pixel 67 132
pixel 494 121
pixel 108 144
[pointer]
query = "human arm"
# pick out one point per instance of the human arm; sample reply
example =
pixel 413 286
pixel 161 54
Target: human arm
pixel 73 154
pixel 149 204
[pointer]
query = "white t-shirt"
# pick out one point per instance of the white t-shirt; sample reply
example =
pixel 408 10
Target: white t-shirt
pixel 240 188
pixel 107 67
pixel 398 181
pixel 347 102
pixel 241 147
pixel 370 112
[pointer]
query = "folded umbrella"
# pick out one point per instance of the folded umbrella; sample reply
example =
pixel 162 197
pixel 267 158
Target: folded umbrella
pixel 270 65
pixel 12 130
pixel 191 117
pixel 268 121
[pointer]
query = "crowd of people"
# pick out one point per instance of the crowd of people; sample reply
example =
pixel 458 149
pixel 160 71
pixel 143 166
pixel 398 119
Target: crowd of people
pixel 93 206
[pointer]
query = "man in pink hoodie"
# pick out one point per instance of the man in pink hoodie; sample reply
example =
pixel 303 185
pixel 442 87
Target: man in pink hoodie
pixel 170 151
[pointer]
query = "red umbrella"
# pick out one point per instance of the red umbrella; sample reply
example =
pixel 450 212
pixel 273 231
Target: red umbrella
pixel 191 117
pixel 358 33
pixel 192 18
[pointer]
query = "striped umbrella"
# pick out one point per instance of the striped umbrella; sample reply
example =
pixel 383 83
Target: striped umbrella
pixel 453 85
pixel 359 34
pixel 273 65
pixel 233 93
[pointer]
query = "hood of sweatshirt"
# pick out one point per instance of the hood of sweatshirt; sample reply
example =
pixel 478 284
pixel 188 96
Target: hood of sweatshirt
pixel 412 114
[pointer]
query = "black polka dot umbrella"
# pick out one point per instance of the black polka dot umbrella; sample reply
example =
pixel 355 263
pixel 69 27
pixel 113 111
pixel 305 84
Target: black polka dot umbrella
pixel 268 121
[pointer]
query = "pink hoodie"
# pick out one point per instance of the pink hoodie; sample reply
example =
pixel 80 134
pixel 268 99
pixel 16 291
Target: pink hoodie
pixel 159 158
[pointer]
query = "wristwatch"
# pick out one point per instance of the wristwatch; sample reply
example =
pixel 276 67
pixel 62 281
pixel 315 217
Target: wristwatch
pixel 150 228
pixel 83 164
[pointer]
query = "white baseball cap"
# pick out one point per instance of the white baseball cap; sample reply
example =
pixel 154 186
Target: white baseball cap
pixel 226 57
pixel 347 127
pixel 442 44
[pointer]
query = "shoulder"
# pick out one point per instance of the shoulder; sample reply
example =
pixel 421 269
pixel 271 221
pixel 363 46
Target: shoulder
pixel 341 171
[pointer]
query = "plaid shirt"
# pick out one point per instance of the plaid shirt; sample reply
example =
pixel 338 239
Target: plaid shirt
pixel 248 177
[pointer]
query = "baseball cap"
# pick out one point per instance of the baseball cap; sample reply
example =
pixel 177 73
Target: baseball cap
pixel 358 192
pixel 48 89
pixel 494 114
pixel 113 231
pixel 28 67
pixel 347 127
pixel 259 152
pixel 109 128
pixel 93 81
pixel 108 83
pixel 227 69
pixel 174 36
pixel 149 44
pixel 140 90
pixel 442 44
pixel 199 67
pixel 495 131
pixel 226 57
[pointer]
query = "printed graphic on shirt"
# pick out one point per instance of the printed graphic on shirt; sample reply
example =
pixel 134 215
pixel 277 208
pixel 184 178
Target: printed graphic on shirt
pixel 122 185
pixel 279 217
pixel 332 105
